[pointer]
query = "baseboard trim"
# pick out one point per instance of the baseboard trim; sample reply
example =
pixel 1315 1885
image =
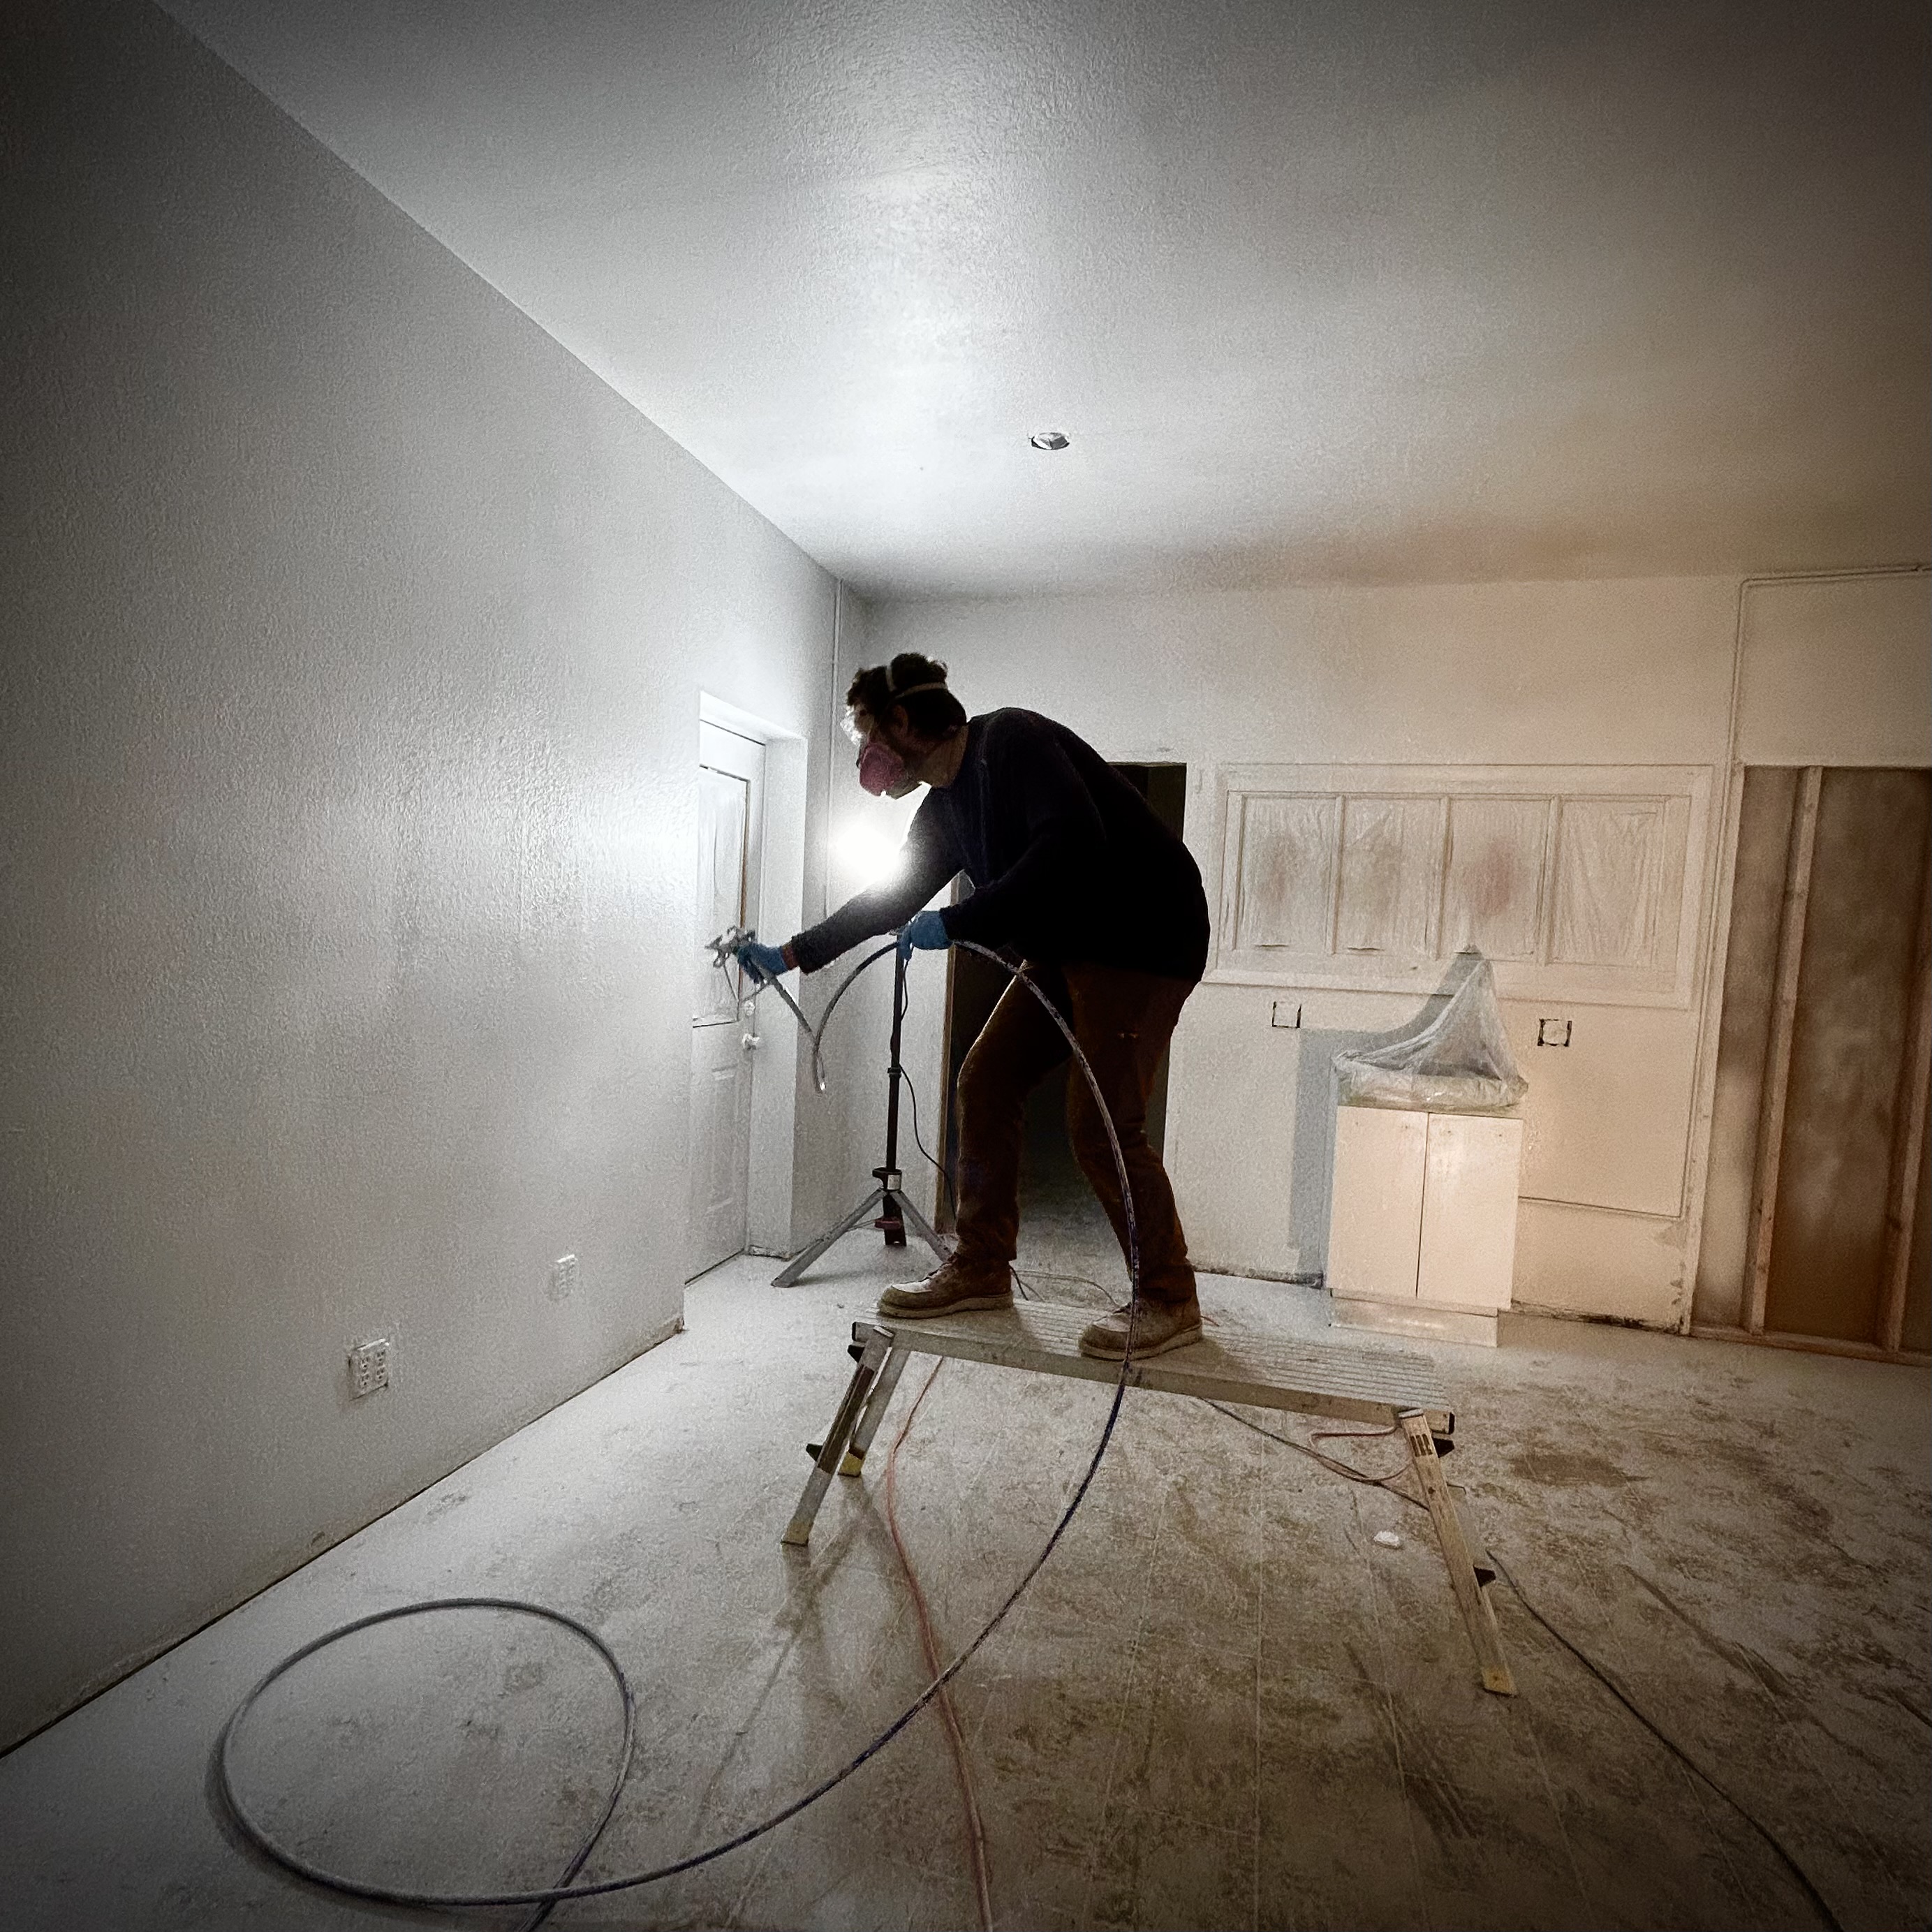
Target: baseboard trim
pixel 1298 1279
pixel 1811 1345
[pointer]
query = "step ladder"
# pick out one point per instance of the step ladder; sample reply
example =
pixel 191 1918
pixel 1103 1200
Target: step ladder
pixel 1231 1365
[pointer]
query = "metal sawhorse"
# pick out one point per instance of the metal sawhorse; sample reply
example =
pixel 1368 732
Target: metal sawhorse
pixel 1228 1365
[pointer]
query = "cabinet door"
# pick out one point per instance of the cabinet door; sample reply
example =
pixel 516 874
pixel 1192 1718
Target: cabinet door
pixel 1375 1221
pixel 1468 1254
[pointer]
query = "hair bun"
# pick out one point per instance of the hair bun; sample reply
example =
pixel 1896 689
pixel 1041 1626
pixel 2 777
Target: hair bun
pixel 909 672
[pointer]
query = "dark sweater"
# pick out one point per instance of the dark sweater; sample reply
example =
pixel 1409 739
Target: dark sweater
pixel 1068 863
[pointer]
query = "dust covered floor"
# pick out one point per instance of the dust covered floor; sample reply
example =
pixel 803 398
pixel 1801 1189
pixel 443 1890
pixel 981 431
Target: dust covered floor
pixel 1222 1703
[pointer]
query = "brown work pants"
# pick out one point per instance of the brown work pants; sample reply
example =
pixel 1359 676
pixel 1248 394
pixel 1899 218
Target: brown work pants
pixel 1123 1020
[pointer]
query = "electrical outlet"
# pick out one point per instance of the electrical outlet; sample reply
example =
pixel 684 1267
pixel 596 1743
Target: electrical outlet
pixel 563 1277
pixel 369 1366
pixel 1285 1013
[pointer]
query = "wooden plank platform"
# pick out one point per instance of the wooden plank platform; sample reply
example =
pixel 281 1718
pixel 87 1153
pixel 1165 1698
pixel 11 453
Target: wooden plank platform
pixel 1228 1364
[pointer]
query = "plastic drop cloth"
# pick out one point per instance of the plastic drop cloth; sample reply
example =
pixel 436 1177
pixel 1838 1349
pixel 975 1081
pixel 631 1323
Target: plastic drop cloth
pixel 1460 1063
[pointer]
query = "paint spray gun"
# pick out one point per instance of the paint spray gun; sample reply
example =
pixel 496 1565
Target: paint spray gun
pixel 724 951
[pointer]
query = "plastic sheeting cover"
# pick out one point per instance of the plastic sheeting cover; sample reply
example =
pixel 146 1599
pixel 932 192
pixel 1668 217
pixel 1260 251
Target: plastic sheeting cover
pixel 1460 1063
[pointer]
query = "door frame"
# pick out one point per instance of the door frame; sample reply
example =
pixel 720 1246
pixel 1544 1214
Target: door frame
pixel 732 767
pixel 779 913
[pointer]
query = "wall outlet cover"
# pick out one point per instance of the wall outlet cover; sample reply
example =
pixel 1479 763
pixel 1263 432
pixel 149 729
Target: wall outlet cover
pixel 563 1277
pixel 369 1365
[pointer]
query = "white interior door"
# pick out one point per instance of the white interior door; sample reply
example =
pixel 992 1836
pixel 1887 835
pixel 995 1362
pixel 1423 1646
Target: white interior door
pixel 730 803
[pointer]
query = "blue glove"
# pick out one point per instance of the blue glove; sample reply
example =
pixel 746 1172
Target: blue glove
pixel 924 932
pixel 762 962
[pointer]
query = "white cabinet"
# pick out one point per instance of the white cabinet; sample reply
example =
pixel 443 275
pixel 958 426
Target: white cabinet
pixel 1375 1226
pixel 1422 1227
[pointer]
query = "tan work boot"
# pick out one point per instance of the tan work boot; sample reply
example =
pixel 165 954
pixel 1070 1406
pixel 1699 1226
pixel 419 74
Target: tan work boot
pixel 949 1289
pixel 1158 1327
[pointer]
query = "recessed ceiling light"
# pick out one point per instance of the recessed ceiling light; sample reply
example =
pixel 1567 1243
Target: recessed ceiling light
pixel 1047 439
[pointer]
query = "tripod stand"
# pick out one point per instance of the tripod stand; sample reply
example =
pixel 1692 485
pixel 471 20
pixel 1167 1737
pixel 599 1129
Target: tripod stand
pixel 887 1204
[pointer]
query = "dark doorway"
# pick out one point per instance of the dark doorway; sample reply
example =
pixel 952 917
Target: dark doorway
pixel 1061 1224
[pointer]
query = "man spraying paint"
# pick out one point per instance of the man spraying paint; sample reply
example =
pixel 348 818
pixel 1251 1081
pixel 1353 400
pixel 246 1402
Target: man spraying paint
pixel 1069 867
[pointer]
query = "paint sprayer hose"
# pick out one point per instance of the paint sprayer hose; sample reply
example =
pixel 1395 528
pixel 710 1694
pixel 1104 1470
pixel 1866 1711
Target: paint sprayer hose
pixel 545 1897
pixel 816 1034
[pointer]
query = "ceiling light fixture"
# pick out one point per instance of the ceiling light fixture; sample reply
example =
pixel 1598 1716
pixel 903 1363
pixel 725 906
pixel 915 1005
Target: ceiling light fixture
pixel 1047 439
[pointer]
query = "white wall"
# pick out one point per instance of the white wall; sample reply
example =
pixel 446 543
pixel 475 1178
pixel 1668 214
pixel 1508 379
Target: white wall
pixel 1837 670
pixel 1612 672
pixel 354 635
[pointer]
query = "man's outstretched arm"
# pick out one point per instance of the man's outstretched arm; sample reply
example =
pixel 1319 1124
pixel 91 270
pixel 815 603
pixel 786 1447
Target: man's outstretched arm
pixel 929 863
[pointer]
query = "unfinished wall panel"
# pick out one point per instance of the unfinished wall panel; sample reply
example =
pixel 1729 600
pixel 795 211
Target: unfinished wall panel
pixel 1848 1042
pixel 1816 1170
pixel 1915 1332
pixel 1757 896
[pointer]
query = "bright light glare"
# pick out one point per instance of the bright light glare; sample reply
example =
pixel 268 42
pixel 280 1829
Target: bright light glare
pixel 868 855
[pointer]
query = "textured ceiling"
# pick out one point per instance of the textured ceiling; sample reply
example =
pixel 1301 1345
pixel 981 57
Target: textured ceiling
pixel 1336 291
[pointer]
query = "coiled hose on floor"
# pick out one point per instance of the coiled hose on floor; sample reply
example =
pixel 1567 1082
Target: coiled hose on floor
pixel 544 1897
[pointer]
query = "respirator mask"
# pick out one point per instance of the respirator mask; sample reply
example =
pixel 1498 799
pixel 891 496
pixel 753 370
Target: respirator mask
pixel 882 771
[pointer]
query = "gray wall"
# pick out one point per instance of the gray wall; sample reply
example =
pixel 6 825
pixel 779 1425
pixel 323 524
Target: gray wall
pixel 353 639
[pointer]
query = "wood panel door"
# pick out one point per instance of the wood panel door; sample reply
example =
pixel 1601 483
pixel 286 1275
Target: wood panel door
pixel 730 803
